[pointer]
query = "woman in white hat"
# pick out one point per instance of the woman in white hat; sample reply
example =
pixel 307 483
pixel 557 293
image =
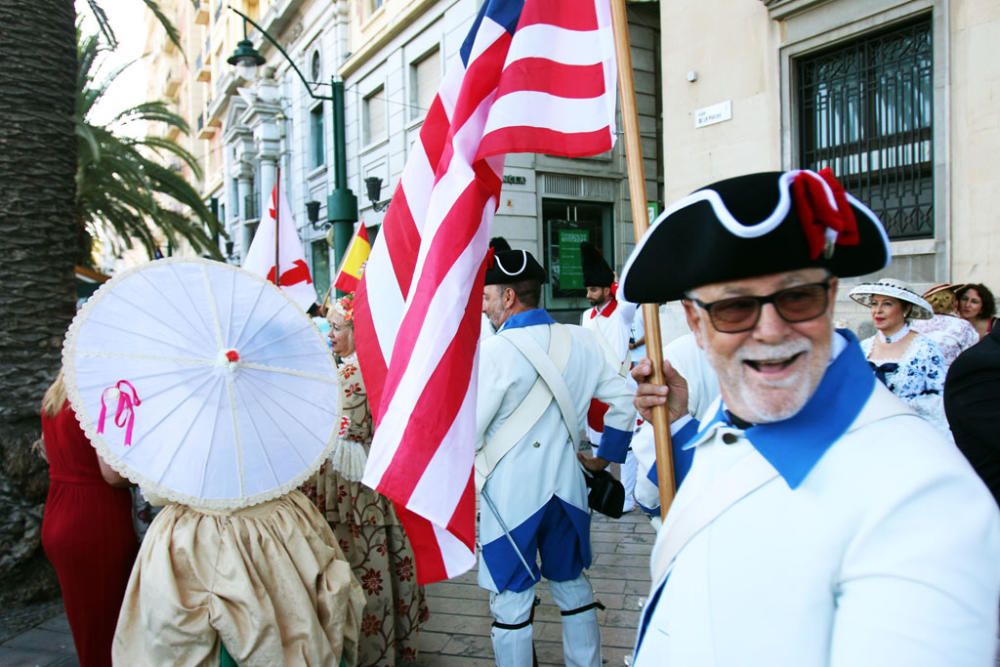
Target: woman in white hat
pixel 908 363
pixel 952 334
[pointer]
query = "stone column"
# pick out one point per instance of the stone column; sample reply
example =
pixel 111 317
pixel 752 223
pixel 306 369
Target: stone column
pixel 244 180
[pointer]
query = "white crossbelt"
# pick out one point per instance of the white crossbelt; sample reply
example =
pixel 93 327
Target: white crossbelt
pixel 550 385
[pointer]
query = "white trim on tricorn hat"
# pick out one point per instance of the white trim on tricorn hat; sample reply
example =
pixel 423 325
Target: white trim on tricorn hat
pixel 500 268
pixel 751 226
pixel 894 289
pixel 509 254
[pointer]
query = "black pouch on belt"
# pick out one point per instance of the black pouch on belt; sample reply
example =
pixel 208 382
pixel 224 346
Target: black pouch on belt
pixel 605 494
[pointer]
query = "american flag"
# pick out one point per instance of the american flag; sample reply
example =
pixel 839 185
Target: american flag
pixel 534 76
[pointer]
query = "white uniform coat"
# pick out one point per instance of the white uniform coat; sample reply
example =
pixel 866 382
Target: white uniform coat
pixel 538 486
pixel 613 321
pixel 874 544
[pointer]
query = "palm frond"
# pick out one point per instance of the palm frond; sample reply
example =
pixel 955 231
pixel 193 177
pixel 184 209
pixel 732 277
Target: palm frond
pixel 124 187
pixel 102 22
pixel 105 26
pixel 172 34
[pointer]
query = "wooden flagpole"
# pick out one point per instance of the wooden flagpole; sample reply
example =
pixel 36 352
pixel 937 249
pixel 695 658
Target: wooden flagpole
pixel 640 223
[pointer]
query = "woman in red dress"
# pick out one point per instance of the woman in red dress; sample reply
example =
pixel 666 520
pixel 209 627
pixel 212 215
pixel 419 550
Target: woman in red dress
pixel 87 529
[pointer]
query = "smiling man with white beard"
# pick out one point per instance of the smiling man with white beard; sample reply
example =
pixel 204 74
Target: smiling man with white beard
pixel 818 520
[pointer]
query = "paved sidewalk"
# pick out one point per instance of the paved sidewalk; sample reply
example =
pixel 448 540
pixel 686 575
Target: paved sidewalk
pixel 458 632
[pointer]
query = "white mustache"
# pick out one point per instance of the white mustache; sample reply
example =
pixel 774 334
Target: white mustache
pixel 768 353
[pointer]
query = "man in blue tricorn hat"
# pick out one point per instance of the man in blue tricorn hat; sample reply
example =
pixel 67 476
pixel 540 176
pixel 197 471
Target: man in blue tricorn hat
pixel 536 379
pixel 818 520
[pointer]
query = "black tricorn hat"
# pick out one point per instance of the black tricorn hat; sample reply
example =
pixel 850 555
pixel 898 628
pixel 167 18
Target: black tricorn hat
pixel 755 225
pixel 511 266
pixel 596 272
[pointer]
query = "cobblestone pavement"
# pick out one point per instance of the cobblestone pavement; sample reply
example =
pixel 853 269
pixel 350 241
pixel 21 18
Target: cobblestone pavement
pixel 458 632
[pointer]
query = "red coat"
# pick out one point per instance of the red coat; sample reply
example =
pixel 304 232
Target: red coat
pixel 88 536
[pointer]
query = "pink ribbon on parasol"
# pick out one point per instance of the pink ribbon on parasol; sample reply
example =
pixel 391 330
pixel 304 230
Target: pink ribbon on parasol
pixel 124 413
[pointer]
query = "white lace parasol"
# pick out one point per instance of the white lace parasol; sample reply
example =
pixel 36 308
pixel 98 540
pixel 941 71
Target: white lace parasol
pixel 202 383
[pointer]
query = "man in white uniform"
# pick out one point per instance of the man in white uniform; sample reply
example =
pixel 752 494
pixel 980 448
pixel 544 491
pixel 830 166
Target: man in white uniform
pixel 820 522
pixel 702 385
pixel 534 498
pixel 611 319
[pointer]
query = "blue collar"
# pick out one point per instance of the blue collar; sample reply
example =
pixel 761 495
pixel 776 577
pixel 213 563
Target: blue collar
pixel 528 318
pixel 794 446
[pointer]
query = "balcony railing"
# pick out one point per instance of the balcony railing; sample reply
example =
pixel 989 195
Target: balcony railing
pixel 205 131
pixel 202 72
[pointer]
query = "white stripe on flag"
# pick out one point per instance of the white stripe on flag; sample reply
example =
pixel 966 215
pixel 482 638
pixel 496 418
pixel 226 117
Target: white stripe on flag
pixel 418 182
pixel 528 108
pixel 569 47
pixel 456 556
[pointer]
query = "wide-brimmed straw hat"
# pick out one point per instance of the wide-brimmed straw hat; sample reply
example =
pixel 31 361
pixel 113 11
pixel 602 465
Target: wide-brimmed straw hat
pixel 895 289
pixel 943 287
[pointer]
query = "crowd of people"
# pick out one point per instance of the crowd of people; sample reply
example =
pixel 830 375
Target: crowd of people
pixel 826 512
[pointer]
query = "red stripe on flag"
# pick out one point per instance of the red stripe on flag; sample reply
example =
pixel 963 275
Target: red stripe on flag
pixel 569 14
pixel 426 552
pixel 544 140
pixel 547 76
pixel 464 517
pixel 346 282
pixel 434 131
pixel 402 238
pixel 370 360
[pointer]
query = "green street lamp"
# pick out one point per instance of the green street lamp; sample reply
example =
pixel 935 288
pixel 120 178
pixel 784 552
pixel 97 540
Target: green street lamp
pixel 341 204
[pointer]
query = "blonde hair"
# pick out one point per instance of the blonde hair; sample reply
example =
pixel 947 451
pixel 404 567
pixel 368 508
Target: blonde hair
pixel 55 396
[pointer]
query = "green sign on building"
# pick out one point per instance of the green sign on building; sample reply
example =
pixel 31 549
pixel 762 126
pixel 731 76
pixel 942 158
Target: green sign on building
pixel 570 261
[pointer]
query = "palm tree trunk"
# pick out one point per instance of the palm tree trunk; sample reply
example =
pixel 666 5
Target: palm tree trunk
pixel 38 245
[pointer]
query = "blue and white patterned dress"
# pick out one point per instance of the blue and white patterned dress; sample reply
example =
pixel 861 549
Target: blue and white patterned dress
pixel 917 378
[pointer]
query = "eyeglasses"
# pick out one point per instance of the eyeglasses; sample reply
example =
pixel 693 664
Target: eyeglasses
pixel 795 304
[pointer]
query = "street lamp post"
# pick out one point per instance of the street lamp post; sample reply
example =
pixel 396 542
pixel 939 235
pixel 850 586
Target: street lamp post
pixel 341 204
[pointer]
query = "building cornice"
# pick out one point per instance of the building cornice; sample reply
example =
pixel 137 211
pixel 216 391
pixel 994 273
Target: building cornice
pixel 385 34
pixel 782 9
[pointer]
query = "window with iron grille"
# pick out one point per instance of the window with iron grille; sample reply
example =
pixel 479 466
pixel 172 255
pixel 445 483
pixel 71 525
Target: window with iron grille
pixel 866 111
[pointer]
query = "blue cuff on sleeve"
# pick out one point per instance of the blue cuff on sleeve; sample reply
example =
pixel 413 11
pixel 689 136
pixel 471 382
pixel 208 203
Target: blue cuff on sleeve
pixel 614 444
pixel 649 511
pixel 682 457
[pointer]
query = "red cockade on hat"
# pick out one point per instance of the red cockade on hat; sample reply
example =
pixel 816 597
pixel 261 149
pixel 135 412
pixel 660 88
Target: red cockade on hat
pixel 824 224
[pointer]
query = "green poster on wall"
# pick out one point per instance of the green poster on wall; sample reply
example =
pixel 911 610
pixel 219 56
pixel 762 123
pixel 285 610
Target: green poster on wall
pixel 570 262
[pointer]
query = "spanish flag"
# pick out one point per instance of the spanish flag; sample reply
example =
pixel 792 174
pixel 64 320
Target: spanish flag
pixel 353 266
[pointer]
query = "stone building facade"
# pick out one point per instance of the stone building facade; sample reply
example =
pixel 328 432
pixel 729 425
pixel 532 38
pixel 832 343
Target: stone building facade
pixel 898 96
